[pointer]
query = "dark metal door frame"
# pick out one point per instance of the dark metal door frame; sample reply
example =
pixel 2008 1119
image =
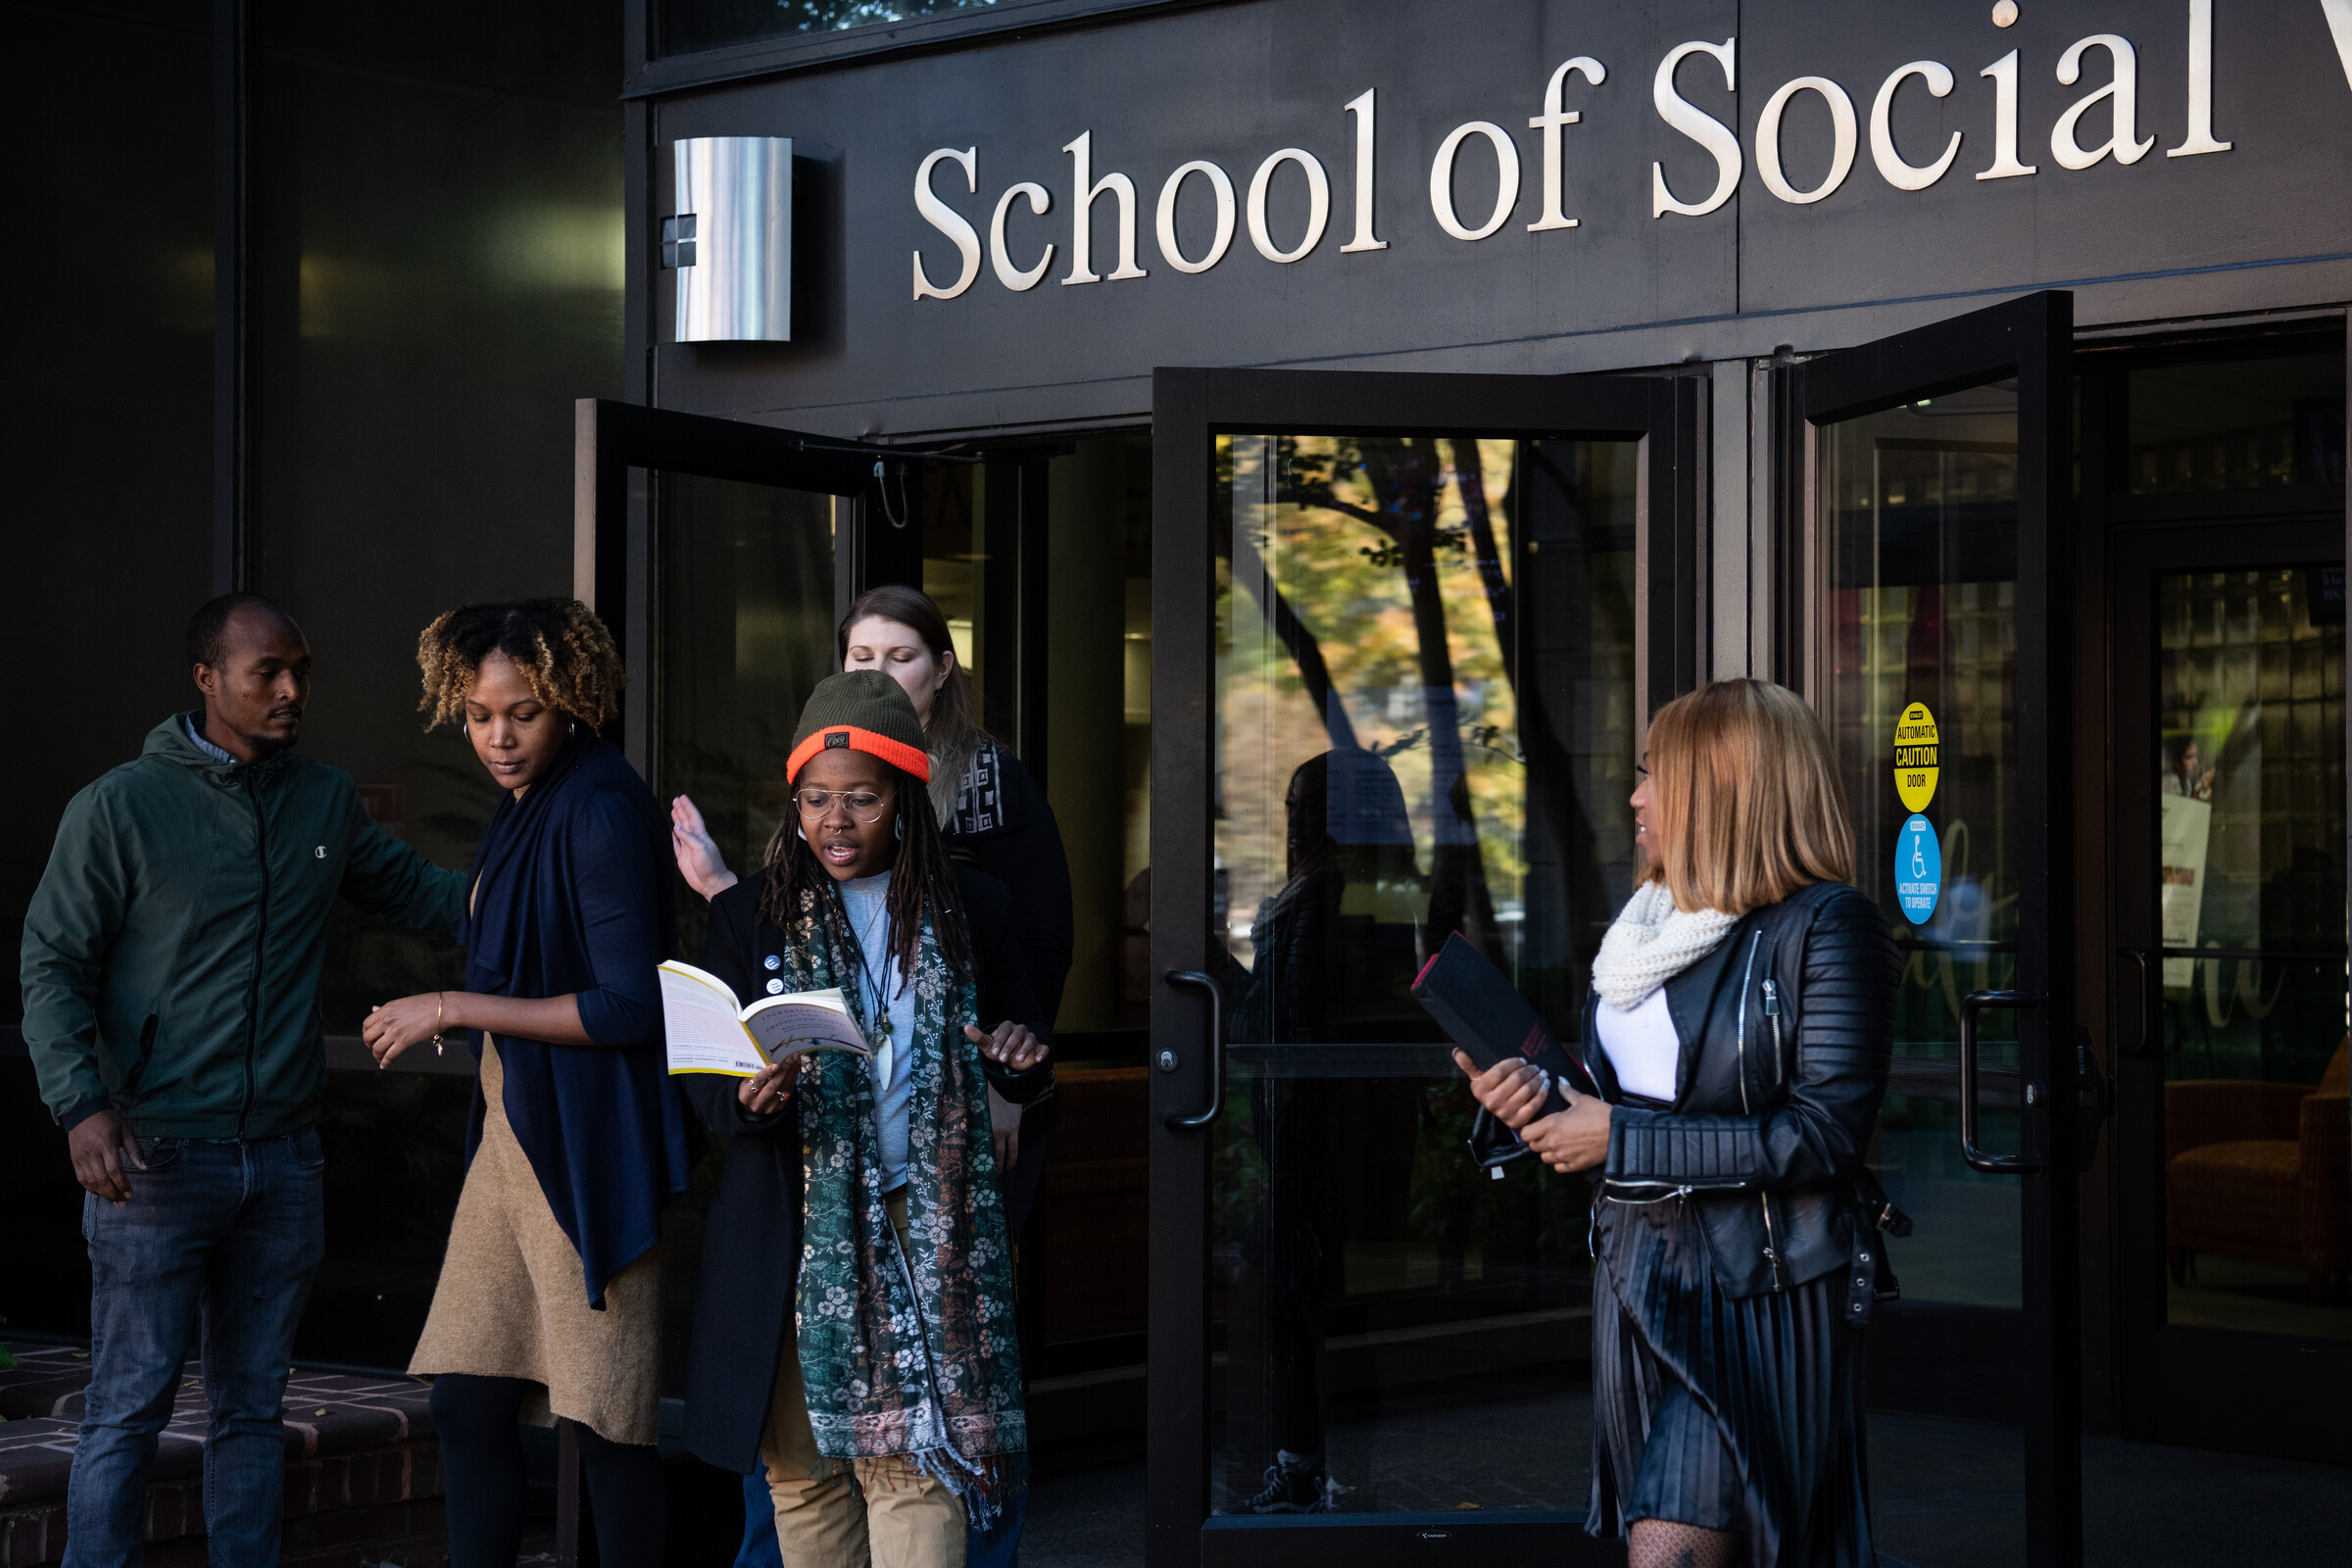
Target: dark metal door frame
pixel 1191 408
pixel 616 560
pixel 616 554
pixel 2030 338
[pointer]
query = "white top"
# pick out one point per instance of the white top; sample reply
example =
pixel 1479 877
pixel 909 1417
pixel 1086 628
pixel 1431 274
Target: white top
pixel 1643 1045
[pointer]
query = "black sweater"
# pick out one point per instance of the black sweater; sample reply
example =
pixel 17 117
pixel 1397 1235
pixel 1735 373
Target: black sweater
pixel 752 1239
pixel 1009 831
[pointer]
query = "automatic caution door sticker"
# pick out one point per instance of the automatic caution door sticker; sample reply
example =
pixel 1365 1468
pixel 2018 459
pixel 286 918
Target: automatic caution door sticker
pixel 1915 758
pixel 1918 870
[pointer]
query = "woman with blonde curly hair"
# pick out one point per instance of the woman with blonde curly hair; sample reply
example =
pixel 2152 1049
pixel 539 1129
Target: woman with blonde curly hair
pixel 1740 1029
pixel 549 1303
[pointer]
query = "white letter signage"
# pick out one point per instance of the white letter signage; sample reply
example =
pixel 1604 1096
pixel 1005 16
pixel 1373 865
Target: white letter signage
pixel 1011 276
pixel 1087 189
pixel 1898 173
pixel 1018 231
pixel 1361 107
pixel 1318 204
pixel 2124 90
pixel 1218 183
pixel 2339 28
pixel 2005 165
pixel 1549 123
pixel 948 221
pixel 1441 178
pixel 2200 85
pixel 1768 139
pixel 1700 126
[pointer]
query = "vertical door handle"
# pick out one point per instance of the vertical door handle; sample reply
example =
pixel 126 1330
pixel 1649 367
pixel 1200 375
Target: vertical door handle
pixel 1216 1047
pixel 2148 1012
pixel 1970 1005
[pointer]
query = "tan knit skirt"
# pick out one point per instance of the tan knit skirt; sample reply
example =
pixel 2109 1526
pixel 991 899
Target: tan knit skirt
pixel 513 1304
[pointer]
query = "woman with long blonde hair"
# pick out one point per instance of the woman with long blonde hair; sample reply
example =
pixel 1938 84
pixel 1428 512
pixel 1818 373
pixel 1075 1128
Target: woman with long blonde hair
pixel 1740 1029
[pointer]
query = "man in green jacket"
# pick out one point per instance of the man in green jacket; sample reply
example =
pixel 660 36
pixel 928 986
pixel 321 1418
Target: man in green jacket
pixel 170 971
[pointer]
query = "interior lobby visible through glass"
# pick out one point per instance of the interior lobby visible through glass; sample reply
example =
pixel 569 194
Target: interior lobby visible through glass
pixel 2235 424
pixel 2250 888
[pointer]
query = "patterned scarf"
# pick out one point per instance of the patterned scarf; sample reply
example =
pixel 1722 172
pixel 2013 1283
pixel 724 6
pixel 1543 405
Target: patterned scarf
pixel 918 1360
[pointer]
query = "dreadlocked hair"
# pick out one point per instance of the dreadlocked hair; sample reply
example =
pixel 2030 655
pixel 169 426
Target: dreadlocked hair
pixel 922 880
pixel 565 653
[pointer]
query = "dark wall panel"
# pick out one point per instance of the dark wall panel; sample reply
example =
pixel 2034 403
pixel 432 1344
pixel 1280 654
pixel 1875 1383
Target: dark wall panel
pixel 108 402
pixel 1232 83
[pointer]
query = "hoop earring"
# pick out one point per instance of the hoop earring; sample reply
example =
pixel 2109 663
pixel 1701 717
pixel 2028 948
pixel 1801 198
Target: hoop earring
pixel 802 834
pixel 898 829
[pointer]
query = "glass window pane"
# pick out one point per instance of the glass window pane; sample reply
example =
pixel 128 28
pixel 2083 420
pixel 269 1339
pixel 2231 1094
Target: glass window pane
pixel 439 277
pixel 111 533
pixel 954 506
pixel 1424 725
pixel 747 632
pixel 1098 578
pixel 691 24
pixel 1920 529
pixel 2240 424
pixel 2250 867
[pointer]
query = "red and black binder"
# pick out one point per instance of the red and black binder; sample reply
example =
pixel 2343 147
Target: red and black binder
pixel 1477 1005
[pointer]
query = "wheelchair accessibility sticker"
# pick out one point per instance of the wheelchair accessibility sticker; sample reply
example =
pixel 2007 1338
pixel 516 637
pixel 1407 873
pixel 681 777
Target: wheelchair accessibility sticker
pixel 1918 870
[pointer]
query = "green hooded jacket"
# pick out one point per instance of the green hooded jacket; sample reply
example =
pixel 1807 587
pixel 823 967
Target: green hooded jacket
pixel 172 950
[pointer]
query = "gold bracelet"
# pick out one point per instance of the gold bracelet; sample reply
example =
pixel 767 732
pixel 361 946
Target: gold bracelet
pixel 440 1005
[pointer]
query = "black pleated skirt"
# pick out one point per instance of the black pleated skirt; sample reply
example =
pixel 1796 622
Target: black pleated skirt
pixel 1730 1414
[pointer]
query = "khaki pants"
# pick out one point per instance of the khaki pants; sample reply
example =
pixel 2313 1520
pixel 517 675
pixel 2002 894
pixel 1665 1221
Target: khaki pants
pixel 892 1516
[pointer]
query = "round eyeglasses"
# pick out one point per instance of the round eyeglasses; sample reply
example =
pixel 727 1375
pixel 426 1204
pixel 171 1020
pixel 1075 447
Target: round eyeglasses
pixel 863 806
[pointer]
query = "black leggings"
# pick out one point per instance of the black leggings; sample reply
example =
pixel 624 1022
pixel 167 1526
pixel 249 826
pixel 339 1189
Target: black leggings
pixel 482 1479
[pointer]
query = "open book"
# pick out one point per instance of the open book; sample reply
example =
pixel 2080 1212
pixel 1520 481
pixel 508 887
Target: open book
pixel 709 1030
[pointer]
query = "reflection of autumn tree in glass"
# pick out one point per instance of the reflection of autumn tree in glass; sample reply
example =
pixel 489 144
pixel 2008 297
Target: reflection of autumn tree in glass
pixel 1461 609
pixel 1406 478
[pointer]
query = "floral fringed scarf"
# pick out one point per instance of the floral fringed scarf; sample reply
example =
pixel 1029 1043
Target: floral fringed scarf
pixel 920 1359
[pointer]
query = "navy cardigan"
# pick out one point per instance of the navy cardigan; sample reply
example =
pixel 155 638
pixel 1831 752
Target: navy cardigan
pixel 572 896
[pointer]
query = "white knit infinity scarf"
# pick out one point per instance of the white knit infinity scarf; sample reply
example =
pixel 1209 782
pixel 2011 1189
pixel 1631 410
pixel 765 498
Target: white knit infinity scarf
pixel 1652 942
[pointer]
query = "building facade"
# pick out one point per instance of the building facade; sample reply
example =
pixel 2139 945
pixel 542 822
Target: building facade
pixel 1332 429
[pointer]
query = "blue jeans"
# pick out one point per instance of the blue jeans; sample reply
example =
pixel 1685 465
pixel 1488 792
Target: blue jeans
pixel 760 1548
pixel 219 1235
pixel 1000 1545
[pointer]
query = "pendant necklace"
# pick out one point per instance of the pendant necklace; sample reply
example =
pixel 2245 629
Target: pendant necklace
pixel 874 985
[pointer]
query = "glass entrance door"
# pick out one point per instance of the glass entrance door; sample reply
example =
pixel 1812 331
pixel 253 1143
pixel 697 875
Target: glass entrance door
pixel 714 551
pixel 1407 631
pixel 1937 652
pixel 2231 904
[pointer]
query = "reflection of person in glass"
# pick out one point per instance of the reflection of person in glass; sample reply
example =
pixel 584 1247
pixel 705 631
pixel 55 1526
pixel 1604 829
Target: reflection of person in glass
pixel 1336 947
pixel 1744 1003
pixel 2185 773
pixel 1339 941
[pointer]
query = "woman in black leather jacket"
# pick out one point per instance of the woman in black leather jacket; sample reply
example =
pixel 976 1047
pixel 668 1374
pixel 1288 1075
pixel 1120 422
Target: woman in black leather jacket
pixel 1740 1032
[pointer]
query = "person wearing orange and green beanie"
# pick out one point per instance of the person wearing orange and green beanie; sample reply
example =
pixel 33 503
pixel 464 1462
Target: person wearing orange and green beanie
pixel 855 1327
